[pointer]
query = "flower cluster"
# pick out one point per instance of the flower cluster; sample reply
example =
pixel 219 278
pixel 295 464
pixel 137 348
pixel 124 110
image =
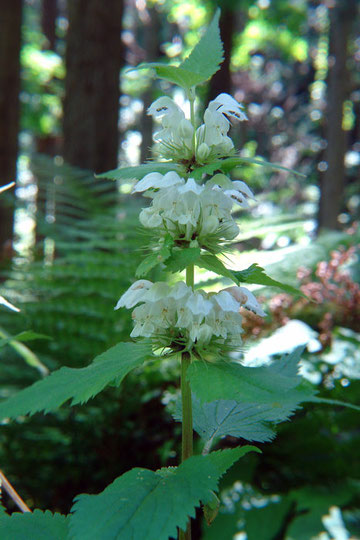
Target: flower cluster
pixel 183 319
pixel 178 139
pixel 196 214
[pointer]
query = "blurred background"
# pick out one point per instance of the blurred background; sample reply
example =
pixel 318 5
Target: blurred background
pixel 70 244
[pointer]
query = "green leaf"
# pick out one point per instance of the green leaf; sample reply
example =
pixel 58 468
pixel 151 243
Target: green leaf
pixel 77 384
pixel 228 164
pixel 28 356
pixel 182 258
pixel 213 264
pixel 174 74
pixel 248 421
pixel 256 274
pixel 147 504
pixel 233 162
pixel 206 57
pixel 160 256
pixel 267 522
pixel 27 335
pixel 137 173
pixel 276 384
pixel 203 61
pixel 37 525
pixel 337 402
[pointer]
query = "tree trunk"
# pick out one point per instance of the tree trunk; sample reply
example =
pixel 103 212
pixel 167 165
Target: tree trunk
pixel 92 91
pixel 221 81
pixel 48 22
pixel 10 38
pixel 333 180
pixel 152 52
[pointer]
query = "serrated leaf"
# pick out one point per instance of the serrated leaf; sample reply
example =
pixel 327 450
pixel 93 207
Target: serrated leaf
pixel 256 274
pixel 137 173
pixel 174 74
pixel 213 264
pixel 207 55
pixel 146 504
pixel 203 61
pixel 234 162
pixel 159 257
pixel 182 258
pixel 248 421
pixel 211 508
pixel 36 525
pixel 228 164
pixel 274 384
pixel 77 384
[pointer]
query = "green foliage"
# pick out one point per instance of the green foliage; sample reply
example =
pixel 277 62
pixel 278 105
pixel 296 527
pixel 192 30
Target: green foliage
pixel 181 258
pixel 160 256
pixel 137 173
pixel 267 522
pixel 256 274
pixel 249 421
pixel 200 65
pixel 38 524
pixel 145 497
pixel 228 164
pixel 80 384
pixel 277 385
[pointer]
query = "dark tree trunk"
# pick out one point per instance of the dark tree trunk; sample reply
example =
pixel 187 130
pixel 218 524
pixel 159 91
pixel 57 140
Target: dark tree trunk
pixel 333 180
pixel 48 22
pixel 152 53
pixel 92 91
pixel 221 81
pixel 10 37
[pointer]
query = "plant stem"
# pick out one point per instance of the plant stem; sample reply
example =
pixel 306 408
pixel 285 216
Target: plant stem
pixel 187 421
pixel 191 96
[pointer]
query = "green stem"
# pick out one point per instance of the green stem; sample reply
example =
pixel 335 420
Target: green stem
pixel 187 421
pixel 191 95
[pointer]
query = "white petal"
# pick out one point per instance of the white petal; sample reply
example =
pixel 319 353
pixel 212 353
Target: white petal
pixel 198 305
pixel 156 180
pixel 162 106
pixel 179 290
pixel 247 300
pixel 158 291
pixel 244 188
pixel 134 294
pixel 191 185
pixel 238 197
pixel 226 104
pixel 149 181
pixel 226 301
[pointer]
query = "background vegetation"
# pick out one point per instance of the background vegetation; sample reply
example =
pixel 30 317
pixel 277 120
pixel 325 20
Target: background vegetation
pixel 70 243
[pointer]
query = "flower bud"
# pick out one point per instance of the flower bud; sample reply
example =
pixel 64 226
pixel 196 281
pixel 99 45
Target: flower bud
pixel 202 152
pixel 210 225
pixel 186 129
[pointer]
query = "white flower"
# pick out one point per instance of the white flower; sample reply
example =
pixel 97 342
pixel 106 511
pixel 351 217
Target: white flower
pixel 166 108
pixel 156 180
pixel 180 315
pixel 198 305
pixel 213 132
pixel 246 299
pixel 134 294
pixel 176 138
pixel 226 104
pixel 226 301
